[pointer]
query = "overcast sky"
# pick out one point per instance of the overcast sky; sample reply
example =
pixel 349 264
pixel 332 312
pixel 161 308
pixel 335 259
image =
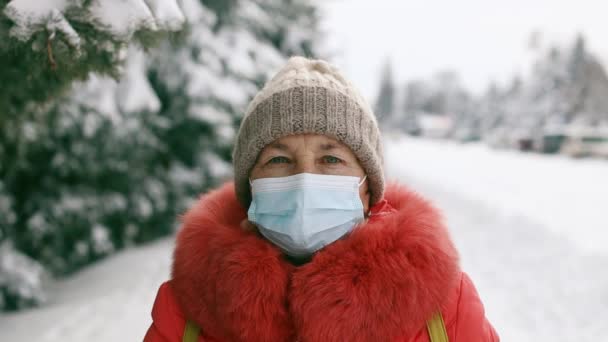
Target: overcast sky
pixel 481 40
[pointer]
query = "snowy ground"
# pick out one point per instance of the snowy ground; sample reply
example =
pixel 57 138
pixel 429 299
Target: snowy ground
pixel 529 228
pixel 110 301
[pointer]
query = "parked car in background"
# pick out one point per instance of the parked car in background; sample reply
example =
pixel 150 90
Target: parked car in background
pixel 525 144
pixel 498 138
pixel 586 145
pixel 522 139
pixel 552 142
pixel 601 150
pixel 435 126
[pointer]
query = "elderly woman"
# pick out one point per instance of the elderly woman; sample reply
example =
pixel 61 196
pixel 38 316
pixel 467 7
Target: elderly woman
pixel 308 244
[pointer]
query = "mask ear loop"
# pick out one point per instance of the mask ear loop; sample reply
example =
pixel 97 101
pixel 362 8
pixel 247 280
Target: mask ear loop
pixel 370 209
pixel 363 180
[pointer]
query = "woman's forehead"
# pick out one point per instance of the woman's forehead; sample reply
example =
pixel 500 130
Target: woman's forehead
pixel 308 141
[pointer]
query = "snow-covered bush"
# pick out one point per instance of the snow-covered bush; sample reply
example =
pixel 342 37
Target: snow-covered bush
pixel 114 162
pixel 21 279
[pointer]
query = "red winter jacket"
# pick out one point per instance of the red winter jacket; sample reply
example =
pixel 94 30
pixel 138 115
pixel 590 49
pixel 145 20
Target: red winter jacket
pixel 382 282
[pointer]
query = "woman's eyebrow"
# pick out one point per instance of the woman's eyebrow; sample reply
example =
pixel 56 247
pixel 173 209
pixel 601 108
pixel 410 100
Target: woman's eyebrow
pixel 330 146
pixel 279 146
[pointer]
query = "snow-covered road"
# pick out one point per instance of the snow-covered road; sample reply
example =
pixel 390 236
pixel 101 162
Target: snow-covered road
pixel 109 301
pixel 530 229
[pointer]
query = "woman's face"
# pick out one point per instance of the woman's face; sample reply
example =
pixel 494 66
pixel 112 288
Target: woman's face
pixel 309 153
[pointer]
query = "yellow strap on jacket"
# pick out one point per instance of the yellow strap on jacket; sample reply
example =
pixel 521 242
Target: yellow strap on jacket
pixel 191 332
pixel 435 326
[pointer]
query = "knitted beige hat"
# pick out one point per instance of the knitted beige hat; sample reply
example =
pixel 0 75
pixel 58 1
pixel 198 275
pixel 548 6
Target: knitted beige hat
pixel 308 96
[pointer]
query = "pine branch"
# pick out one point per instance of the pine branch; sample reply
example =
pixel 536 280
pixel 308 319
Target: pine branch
pixel 49 50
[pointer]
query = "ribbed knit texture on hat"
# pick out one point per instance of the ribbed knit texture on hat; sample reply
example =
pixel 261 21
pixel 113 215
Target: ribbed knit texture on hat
pixel 308 97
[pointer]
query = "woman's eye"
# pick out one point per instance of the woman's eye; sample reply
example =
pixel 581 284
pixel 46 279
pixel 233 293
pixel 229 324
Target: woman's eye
pixel 331 160
pixel 278 160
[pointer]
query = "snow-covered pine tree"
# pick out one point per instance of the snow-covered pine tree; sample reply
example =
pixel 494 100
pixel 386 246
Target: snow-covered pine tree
pixel 587 87
pixel 384 107
pixel 410 108
pixel 44 47
pixel 112 164
pixel 489 110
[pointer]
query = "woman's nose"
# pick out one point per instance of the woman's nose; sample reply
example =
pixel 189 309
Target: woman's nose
pixel 305 165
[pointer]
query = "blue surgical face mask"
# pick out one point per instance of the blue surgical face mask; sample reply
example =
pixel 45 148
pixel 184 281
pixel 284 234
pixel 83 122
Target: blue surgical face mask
pixel 305 212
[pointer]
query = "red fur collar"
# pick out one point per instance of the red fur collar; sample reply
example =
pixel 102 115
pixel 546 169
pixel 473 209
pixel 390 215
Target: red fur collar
pixel 381 282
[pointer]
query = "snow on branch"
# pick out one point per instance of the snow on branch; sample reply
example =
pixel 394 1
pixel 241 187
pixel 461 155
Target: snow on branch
pixel 119 18
pixel 168 15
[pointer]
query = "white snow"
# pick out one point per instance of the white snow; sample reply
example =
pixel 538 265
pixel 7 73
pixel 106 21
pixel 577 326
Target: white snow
pixel 30 16
pixel 167 13
pixel 245 43
pixel 20 274
pixel 116 100
pixel 7 215
pixel 99 93
pixel 134 93
pixel 568 197
pixel 194 12
pixel 206 112
pixel 57 22
pixel 109 301
pixel 236 92
pixel 181 174
pixel 218 168
pixel 541 277
pixel 204 81
pixel 36 9
pixel 102 243
pixel 121 17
